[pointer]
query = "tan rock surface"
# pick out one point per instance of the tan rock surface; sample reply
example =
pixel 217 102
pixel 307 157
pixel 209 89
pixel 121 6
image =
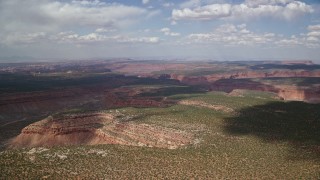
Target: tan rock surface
pixel 98 128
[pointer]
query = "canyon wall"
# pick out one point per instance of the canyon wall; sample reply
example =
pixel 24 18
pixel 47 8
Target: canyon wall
pixel 227 82
pixel 200 80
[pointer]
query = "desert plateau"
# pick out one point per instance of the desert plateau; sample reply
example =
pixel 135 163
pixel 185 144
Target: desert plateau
pixel 159 89
pixel 168 114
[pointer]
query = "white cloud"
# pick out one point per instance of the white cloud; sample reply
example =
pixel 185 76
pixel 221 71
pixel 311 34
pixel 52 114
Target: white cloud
pixel 165 30
pixel 40 21
pixel 105 30
pixel 314 27
pixel 313 39
pixel 88 3
pixel 74 38
pixel 108 28
pixel 313 36
pixel 168 4
pixel 282 9
pixel 229 34
pixel 95 37
pixel 255 3
pixel 197 3
pixel 26 38
pixel 314 33
pixel 203 13
pixel 239 36
pixel 289 42
pixel 145 1
pixel 45 15
pixel 173 23
pixel 168 32
pixel 147 39
pixel 232 35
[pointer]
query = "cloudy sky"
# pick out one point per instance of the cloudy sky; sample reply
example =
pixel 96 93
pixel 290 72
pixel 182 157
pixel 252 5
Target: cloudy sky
pixel 216 29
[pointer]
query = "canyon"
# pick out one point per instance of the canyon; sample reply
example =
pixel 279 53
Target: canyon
pixel 250 81
pixel 83 88
pixel 236 77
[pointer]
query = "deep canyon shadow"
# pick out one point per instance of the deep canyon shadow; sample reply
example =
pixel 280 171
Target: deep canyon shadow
pixel 296 123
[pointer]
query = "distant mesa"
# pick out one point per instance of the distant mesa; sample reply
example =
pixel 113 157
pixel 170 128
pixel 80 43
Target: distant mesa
pixel 306 62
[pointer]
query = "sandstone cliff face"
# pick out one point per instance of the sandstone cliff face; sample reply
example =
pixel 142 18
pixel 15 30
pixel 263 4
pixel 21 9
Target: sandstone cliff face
pixel 227 82
pixel 229 85
pixel 294 93
pixel 291 93
pixel 98 128
pixel 285 92
pixel 276 73
pixel 201 80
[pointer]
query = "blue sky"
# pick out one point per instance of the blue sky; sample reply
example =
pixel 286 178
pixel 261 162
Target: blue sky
pixel 214 29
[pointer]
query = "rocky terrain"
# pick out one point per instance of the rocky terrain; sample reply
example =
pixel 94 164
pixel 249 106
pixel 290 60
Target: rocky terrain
pixel 139 119
pixel 33 91
pixel 200 80
pixel 212 77
pixel 229 82
pixel 286 92
pixel 294 93
pixel 99 128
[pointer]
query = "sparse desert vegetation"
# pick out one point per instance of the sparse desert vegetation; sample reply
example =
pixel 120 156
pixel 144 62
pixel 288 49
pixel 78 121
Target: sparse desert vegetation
pixel 159 89
pixel 158 128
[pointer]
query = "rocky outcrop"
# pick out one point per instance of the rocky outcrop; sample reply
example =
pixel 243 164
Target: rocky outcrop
pixel 294 93
pixel 227 82
pixel 285 92
pixel 204 80
pixel 228 85
pixel 98 128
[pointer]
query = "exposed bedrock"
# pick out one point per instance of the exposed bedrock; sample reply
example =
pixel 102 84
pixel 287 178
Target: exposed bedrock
pixel 228 82
pixel 98 128
pixel 200 80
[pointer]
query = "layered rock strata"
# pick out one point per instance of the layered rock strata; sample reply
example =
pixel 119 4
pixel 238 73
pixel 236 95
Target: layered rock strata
pixel 98 128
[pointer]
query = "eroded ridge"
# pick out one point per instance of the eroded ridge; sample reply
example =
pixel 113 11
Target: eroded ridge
pixel 98 128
